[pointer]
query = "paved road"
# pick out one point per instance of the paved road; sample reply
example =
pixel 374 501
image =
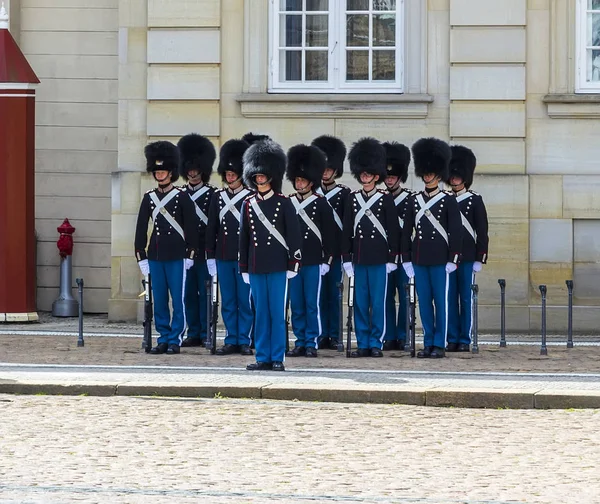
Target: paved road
pixel 150 450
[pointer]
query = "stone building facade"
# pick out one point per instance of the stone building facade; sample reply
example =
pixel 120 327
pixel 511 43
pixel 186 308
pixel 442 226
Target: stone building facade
pixel 517 81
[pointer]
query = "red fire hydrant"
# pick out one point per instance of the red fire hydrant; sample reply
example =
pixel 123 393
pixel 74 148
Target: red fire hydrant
pixel 65 305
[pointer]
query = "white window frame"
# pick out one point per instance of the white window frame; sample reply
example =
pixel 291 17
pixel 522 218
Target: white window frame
pixel 581 84
pixel 337 64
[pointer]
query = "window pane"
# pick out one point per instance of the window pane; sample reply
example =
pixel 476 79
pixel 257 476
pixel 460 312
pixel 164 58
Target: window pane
pixel 291 35
pixel 593 4
pixel 385 4
pixel 290 5
pixel 317 5
pixel 359 5
pixel 316 30
pixel 290 66
pixel 357 65
pixel 357 30
pixel 384 65
pixel 316 65
pixel 593 36
pixel 384 30
pixel 593 65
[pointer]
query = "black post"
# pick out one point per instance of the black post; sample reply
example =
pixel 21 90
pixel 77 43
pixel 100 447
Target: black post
pixel 407 343
pixel 502 284
pixel 340 345
pixel 570 327
pixel 79 282
pixel 543 290
pixel 475 328
pixel 349 318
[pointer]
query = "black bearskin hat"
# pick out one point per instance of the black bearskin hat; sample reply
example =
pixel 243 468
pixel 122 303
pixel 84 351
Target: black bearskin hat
pixel 267 158
pixel 231 157
pixel 368 155
pixel 431 155
pixel 197 153
pixel 305 161
pixel 252 138
pixel 398 159
pixel 334 150
pixel 462 164
pixel 162 155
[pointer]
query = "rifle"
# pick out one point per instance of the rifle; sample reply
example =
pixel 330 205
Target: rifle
pixel 212 290
pixel 410 315
pixel 340 345
pixel 287 323
pixel 350 314
pixel 147 340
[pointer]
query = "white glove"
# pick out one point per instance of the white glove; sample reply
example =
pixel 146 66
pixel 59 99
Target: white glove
pixel 246 278
pixel 144 267
pixel 450 267
pixel 324 269
pixel 477 266
pixel 290 274
pixel 348 269
pixel 409 270
pixel 188 264
pixel 211 265
pixel 389 267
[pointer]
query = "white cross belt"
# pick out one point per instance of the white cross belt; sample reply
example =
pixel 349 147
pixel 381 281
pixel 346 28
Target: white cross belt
pixel 160 208
pixel 425 210
pixel 397 200
pixel 195 195
pixel 300 210
pixel 267 223
pixel 466 224
pixel 365 209
pixel 230 204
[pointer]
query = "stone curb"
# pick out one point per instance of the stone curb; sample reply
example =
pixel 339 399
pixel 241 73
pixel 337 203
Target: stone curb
pixel 416 396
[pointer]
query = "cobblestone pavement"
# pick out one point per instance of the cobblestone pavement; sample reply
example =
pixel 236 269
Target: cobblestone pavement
pixel 150 450
pixel 127 351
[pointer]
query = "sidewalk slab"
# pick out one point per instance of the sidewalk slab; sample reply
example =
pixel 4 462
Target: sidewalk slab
pixel 481 398
pixel 188 390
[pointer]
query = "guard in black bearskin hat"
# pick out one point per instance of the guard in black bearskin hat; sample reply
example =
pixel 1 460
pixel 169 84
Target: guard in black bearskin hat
pixel 197 158
pixel 398 159
pixel 474 248
pixel 270 250
pixel 433 254
pixel 222 248
pixel 370 242
pixel 337 195
pixel 304 170
pixel 173 244
pixel 252 138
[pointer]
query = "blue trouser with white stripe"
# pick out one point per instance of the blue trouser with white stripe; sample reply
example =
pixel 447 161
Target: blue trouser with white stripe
pixel 236 305
pixel 432 284
pixel 396 323
pixel 370 293
pixel 330 320
pixel 305 289
pixel 168 277
pixel 269 292
pixel 460 318
pixel 195 300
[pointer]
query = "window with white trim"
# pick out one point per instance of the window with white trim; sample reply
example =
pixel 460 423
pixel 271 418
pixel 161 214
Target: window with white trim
pixel 336 46
pixel 588 46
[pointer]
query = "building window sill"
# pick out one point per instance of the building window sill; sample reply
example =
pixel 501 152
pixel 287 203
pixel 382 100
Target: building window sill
pixel 573 106
pixel 332 106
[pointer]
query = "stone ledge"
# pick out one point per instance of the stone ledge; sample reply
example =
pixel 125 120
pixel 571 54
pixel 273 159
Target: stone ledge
pixel 359 106
pixel 563 399
pixel 481 398
pixel 573 106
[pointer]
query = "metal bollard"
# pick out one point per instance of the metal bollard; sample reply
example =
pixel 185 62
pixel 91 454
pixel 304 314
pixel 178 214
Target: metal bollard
pixel 502 284
pixel 340 345
pixel 79 282
pixel 475 327
pixel 570 327
pixel 543 349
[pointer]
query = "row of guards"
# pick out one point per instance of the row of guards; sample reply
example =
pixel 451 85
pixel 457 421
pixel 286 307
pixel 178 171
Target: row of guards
pixel 270 252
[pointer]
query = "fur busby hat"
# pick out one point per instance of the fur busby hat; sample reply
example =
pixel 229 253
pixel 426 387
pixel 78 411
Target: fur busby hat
pixel 162 155
pixel 231 157
pixel 431 155
pixel 265 157
pixel 197 153
pixel 368 155
pixel 397 160
pixel 462 164
pixel 334 150
pixel 252 138
pixel 305 161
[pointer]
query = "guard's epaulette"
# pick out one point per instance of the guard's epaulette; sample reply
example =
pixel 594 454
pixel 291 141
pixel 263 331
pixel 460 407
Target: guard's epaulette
pixel 474 193
pixel 343 186
pixel 382 191
pixel 318 195
pixel 448 192
pixel 356 191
